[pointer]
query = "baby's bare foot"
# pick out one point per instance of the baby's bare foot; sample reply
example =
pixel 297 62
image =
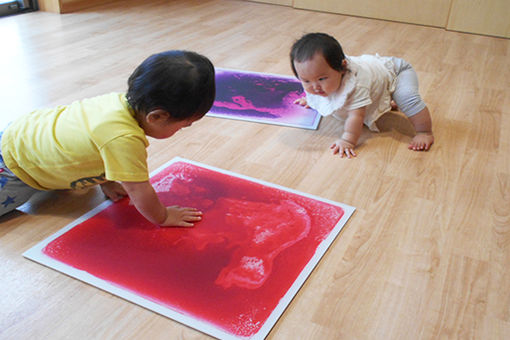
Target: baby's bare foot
pixel 421 142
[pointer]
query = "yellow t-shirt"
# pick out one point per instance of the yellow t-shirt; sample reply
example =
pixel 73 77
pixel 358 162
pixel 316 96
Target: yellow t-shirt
pixel 85 143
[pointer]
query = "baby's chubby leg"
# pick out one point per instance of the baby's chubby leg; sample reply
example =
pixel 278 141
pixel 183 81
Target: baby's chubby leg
pixel 407 97
pixel 113 190
pixel 424 138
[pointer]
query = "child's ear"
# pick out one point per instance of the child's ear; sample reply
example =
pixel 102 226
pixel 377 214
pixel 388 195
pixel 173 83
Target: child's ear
pixel 157 115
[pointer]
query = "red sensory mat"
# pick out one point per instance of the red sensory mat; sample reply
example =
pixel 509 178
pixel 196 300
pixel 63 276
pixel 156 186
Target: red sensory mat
pixel 231 276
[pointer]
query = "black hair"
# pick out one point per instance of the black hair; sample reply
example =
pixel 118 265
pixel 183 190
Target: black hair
pixel 309 44
pixel 179 82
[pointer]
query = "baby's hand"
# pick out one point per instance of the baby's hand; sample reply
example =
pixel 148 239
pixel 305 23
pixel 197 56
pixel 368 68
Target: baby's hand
pixel 422 141
pixel 343 147
pixel 302 101
pixel 181 217
pixel 113 190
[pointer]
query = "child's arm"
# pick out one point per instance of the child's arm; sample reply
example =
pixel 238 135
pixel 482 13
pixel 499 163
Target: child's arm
pixel 352 131
pixel 146 201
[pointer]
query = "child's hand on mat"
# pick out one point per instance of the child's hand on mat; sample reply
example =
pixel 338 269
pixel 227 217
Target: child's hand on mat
pixel 181 217
pixel 343 148
pixel 113 190
pixel 422 141
pixel 302 101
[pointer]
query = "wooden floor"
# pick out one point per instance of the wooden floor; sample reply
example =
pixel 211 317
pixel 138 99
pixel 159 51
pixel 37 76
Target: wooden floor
pixel 426 254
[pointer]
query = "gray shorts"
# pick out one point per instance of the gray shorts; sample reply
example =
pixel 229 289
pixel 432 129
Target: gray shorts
pixel 13 192
pixel 406 94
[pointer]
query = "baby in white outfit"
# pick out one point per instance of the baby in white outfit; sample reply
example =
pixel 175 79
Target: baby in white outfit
pixel 358 90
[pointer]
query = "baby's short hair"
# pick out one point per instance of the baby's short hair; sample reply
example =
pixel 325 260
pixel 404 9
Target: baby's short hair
pixel 309 44
pixel 179 82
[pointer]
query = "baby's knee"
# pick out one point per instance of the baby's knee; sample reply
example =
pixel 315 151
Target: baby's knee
pixel 409 102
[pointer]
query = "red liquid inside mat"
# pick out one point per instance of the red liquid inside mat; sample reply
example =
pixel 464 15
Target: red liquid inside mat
pixel 230 270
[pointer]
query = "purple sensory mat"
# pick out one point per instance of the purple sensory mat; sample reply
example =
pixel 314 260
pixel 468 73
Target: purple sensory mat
pixel 261 97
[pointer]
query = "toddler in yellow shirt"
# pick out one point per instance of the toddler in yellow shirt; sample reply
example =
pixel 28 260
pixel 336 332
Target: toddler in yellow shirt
pixel 102 140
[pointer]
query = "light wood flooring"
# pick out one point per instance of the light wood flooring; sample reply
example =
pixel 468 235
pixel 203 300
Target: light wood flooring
pixel 426 254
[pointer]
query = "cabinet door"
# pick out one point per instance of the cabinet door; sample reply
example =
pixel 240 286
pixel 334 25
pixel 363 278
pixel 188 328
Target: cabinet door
pixel 490 17
pixel 425 12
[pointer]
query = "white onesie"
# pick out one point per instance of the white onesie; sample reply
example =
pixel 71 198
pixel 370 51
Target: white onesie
pixel 369 81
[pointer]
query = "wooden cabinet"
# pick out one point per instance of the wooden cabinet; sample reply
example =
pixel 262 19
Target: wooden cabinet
pixel 67 6
pixel 490 17
pixel 425 12
pixel 49 6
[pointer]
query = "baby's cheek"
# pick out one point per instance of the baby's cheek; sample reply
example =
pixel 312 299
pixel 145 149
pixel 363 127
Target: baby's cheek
pixel 308 88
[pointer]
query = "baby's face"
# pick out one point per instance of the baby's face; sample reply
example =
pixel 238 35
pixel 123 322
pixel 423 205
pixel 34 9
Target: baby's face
pixel 317 77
